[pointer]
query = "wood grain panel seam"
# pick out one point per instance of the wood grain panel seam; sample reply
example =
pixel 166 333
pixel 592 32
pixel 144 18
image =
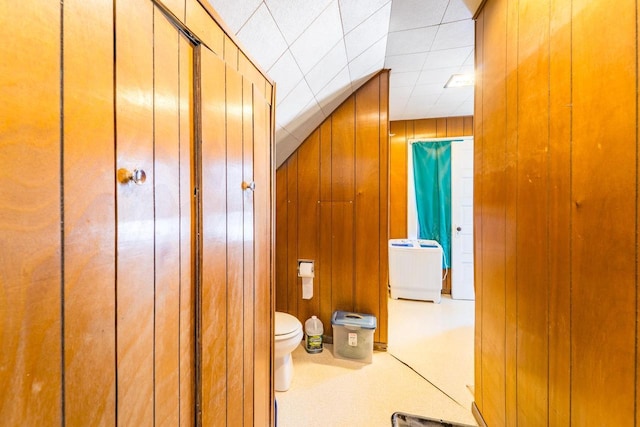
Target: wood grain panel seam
pixel 63 404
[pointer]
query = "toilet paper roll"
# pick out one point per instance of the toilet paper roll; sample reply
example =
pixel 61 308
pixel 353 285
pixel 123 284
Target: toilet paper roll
pixel 306 269
pixel 307 287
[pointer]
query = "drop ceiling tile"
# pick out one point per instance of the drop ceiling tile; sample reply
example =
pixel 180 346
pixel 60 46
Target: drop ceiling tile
pixel 403 79
pixel 285 145
pixel 470 59
pixel 456 11
pixel 370 60
pixel 286 74
pixel 423 100
pixel 417 110
pixel 396 108
pixel 309 118
pixel 404 63
pixel 235 13
pixel 398 99
pixel 354 12
pixel 454 96
pixel 454 34
pixel 294 103
pixel 365 34
pixel 281 134
pixel 411 41
pixel 338 87
pixel 262 39
pixel 440 75
pixel 409 14
pixel 465 109
pixel 447 58
pixel 427 89
pixel 294 16
pixel 328 67
pixel 318 39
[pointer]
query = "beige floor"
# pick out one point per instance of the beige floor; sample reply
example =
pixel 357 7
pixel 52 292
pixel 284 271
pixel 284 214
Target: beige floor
pixel 332 392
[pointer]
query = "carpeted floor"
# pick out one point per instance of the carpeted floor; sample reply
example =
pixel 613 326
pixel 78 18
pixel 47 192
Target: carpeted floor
pixel 332 392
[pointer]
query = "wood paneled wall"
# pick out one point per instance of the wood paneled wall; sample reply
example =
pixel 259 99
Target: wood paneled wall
pixel 332 208
pixel 401 132
pixel 98 278
pixel 556 213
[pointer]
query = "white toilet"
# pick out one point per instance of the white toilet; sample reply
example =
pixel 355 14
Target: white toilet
pixel 289 334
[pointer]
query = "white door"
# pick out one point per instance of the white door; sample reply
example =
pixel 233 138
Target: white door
pixel 462 219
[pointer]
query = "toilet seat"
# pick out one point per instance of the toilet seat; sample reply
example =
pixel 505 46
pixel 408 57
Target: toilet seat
pixel 286 326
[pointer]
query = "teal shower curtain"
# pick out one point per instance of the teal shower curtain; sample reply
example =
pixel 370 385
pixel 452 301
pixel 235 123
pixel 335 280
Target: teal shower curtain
pixel 432 177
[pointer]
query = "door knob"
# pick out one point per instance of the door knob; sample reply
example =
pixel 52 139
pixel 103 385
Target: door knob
pixel 138 176
pixel 248 185
pixel 458 228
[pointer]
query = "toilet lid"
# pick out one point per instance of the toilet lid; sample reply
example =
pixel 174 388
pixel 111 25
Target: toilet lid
pixel 286 323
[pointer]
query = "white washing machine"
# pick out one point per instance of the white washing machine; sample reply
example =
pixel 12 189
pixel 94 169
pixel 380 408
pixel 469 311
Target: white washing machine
pixel 415 269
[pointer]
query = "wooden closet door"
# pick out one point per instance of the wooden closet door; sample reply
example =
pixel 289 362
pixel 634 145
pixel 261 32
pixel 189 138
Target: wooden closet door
pixel 30 215
pixel 155 326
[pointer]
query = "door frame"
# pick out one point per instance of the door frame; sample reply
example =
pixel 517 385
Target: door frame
pixel 412 217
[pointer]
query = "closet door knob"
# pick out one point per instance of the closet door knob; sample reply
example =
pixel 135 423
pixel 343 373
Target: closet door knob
pixel 250 186
pixel 138 176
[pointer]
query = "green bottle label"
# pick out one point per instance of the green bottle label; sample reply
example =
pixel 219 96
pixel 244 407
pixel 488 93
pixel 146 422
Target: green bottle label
pixel 314 342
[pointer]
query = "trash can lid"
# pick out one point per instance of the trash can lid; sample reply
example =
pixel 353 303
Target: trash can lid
pixel 347 318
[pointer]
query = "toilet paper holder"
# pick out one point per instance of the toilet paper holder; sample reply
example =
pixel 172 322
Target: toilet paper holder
pixel 306 261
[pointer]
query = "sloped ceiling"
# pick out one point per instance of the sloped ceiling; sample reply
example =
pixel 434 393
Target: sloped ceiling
pixel 318 52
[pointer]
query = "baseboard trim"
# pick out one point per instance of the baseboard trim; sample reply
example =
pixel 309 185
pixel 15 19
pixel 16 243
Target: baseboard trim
pixel 380 346
pixel 477 415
